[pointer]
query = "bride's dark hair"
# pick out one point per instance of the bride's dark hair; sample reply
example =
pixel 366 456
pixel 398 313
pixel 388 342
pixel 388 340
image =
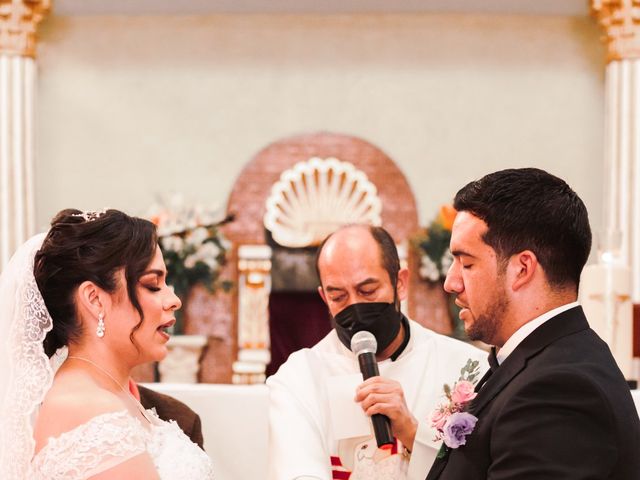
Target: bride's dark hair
pixel 81 248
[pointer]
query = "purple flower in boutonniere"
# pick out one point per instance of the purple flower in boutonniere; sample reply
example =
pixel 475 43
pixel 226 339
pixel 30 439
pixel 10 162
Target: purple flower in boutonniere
pixel 450 419
pixel 457 427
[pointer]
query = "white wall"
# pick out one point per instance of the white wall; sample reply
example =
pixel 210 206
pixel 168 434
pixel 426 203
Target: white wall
pixel 133 106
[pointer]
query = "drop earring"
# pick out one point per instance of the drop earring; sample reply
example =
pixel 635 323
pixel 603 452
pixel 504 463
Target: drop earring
pixel 100 329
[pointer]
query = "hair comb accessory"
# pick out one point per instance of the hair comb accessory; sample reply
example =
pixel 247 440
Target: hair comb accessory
pixel 91 215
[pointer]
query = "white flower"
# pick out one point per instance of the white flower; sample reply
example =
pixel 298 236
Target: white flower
pixel 428 269
pixel 446 261
pixel 197 236
pixel 208 250
pixel 169 226
pixel 212 263
pixel 192 222
pixel 226 244
pixel 185 231
pixel 190 261
pixel 210 217
pixel 172 243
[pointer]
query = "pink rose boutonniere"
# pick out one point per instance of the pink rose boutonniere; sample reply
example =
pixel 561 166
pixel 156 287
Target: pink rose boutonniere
pixel 450 419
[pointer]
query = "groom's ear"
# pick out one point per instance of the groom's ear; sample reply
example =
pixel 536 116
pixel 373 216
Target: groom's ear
pixel 522 269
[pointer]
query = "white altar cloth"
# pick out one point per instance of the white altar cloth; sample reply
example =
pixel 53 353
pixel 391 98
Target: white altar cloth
pixel 235 425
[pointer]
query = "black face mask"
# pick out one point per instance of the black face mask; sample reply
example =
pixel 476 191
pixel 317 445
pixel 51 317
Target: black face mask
pixel 379 318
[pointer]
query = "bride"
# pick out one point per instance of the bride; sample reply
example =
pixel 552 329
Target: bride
pixel 95 284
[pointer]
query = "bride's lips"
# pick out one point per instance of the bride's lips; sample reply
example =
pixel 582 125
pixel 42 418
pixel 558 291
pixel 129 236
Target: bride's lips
pixel 161 329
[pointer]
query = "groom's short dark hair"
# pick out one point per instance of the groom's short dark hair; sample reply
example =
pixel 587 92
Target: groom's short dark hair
pixel 530 209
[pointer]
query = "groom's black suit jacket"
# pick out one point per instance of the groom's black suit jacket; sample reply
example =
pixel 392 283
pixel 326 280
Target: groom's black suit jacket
pixel 558 407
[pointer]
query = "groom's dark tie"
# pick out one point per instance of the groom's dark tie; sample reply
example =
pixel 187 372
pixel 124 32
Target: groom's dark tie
pixel 493 360
pixel 493 366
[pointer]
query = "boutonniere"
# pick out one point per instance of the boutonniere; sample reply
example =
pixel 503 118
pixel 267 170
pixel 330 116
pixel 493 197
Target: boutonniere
pixel 450 419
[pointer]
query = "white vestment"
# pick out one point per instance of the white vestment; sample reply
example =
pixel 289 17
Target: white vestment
pixel 301 439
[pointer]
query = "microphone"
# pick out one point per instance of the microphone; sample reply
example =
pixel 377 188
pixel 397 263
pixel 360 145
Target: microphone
pixel 364 345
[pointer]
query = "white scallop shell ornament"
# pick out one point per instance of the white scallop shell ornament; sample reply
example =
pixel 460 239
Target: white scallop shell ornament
pixel 314 198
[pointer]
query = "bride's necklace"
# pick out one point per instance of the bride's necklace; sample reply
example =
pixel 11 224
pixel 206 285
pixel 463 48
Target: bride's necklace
pixel 126 392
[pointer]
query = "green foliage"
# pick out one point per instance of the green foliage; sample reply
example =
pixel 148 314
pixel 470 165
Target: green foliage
pixel 447 390
pixel 433 245
pixel 471 371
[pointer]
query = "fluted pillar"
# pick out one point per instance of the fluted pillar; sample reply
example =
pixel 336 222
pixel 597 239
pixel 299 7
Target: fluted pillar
pixel 18 22
pixel 620 20
pixel 610 287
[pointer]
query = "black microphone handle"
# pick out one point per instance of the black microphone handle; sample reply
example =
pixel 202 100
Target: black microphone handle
pixel 381 424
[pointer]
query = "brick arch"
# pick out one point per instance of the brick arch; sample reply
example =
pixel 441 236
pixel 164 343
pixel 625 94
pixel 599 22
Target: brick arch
pixel 399 213
pixel 250 192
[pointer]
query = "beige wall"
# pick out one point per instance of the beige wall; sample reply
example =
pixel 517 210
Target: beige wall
pixel 133 106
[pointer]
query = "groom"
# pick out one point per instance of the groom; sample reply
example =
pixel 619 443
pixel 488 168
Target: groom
pixel 554 404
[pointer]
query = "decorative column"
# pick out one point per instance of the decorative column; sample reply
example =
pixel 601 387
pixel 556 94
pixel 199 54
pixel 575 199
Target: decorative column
pixel 618 271
pixel 182 363
pixel 254 287
pixel 18 22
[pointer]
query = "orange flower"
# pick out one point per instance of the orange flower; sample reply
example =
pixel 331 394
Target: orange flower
pixel 447 216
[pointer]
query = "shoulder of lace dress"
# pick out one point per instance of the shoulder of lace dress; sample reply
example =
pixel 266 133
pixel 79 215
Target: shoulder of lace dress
pixel 175 456
pixel 112 438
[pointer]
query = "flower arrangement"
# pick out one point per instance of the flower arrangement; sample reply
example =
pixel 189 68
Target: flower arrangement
pixel 194 248
pixel 435 259
pixel 450 419
pixel 433 245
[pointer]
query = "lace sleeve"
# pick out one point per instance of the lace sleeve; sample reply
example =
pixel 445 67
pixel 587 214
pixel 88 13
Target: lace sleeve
pixel 93 447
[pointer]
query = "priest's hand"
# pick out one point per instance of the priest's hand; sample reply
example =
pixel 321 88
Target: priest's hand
pixel 385 396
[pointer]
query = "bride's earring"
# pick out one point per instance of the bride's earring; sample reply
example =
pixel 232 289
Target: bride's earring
pixel 100 329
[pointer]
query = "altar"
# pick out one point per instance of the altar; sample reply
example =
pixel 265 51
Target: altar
pixel 235 424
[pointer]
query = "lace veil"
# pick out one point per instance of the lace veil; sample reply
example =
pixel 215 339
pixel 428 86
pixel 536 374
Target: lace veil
pixel 26 374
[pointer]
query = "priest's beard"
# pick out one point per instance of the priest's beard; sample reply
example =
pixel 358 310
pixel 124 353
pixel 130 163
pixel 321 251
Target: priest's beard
pixel 485 325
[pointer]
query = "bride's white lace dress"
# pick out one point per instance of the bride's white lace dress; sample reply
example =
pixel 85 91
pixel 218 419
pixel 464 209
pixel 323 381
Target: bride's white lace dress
pixel 109 439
